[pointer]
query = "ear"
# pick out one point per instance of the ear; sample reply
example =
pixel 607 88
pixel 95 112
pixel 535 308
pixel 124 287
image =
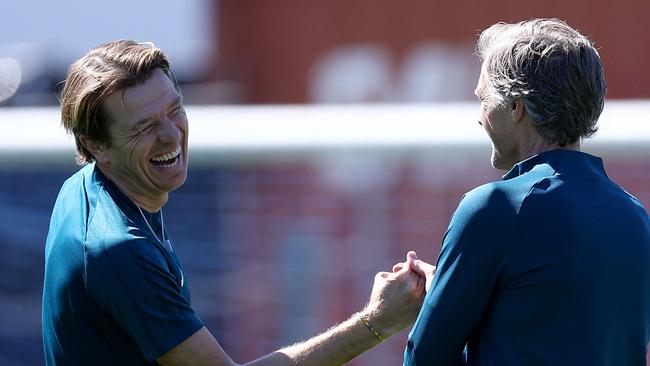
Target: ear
pixel 96 148
pixel 517 109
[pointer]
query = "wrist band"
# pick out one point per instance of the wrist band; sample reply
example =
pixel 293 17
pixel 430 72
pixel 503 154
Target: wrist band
pixel 370 328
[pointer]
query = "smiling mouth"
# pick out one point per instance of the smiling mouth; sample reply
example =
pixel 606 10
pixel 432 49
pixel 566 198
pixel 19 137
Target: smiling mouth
pixel 167 160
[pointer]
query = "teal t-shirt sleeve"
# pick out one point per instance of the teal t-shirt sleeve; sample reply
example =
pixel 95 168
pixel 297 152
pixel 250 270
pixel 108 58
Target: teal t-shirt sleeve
pixel 466 276
pixel 131 280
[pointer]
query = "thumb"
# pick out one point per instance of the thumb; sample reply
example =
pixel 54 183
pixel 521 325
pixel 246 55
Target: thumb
pixel 411 254
pixel 411 258
pixel 409 264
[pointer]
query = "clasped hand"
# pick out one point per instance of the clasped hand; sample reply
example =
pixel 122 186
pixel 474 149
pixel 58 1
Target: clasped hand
pixel 397 296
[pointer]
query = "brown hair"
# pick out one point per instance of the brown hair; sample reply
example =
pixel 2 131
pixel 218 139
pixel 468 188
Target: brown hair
pixel 104 70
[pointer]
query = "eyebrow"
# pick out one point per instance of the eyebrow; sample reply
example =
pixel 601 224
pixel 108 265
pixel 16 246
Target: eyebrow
pixel 480 94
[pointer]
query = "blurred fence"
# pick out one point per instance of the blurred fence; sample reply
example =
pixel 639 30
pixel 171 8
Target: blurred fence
pixel 287 212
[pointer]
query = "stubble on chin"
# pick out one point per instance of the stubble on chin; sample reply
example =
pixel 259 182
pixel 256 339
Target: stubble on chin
pixel 498 161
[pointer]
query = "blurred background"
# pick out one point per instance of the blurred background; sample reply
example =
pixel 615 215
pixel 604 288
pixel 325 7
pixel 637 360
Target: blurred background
pixel 327 139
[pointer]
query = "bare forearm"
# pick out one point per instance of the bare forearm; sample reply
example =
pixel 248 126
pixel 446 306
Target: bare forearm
pixel 394 303
pixel 336 346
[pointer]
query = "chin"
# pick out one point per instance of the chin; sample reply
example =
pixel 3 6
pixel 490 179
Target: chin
pixel 182 181
pixel 170 185
pixel 501 164
pixel 178 183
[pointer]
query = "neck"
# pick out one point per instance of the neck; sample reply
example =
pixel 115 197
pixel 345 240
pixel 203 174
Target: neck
pixel 535 144
pixel 150 203
pixel 545 147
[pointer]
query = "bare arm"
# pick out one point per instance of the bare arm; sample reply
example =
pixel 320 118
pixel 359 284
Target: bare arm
pixel 336 346
pixel 394 303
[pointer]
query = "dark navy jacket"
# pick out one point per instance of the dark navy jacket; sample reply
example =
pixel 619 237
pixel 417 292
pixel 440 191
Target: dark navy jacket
pixel 550 266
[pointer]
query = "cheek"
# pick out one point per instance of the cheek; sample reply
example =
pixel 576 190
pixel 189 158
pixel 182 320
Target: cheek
pixel 491 132
pixel 183 126
pixel 485 121
pixel 493 122
pixel 139 152
pixel 483 114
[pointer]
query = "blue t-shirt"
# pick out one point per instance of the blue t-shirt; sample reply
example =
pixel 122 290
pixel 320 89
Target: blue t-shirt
pixel 112 294
pixel 550 266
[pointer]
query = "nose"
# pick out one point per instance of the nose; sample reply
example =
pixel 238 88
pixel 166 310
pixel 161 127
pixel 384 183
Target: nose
pixel 169 132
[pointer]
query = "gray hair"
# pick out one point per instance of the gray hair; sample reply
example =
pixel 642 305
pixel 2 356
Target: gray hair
pixel 553 68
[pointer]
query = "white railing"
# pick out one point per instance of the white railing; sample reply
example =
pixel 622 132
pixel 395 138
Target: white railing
pixel 33 135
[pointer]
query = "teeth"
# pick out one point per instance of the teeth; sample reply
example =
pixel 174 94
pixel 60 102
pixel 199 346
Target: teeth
pixel 169 165
pixel 168 156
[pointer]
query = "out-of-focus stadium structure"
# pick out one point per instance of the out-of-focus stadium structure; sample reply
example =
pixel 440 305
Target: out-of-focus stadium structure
pixel 312 51
pixel 287 212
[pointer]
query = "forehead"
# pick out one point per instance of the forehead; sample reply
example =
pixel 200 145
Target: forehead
pixel 144 100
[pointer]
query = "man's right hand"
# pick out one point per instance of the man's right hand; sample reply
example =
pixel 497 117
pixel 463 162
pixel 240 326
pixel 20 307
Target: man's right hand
pixel 397 297
pixel 418 266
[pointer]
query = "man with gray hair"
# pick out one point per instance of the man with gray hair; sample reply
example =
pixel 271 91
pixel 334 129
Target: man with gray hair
pixel 551 265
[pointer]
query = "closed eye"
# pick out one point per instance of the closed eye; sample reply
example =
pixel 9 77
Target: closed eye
pixel 146 127
pixel 176 110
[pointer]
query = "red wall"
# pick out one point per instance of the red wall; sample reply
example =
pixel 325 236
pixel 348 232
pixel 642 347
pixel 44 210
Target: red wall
pixel 268 47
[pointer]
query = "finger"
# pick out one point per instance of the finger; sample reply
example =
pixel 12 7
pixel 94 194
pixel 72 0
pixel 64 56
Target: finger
pixel 410 260
pixel 423 267
pixel 412 254
pixel 381 275
pixel 410 257
pixel 405 267
pixel 420 285
pixel 416 266
pixel 398 266
pixel 414 279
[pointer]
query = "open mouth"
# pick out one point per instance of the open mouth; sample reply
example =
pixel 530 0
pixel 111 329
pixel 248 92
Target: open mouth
pixel 167 160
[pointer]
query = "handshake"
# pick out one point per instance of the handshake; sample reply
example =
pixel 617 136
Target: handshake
pixel 397 296
pixel 394 304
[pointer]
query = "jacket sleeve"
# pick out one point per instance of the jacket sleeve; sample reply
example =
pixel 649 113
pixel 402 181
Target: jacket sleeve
pixel 467 275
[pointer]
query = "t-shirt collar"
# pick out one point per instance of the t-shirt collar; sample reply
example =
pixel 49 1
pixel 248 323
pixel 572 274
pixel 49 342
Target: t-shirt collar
pixel 559 159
